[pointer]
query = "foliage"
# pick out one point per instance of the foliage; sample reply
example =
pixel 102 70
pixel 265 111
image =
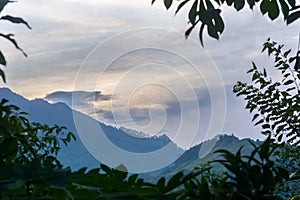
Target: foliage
pixel 9 36
pixel 207 13
pixel 247 177
pixel 29 170
pixel 276 107
pixel 28 151
pixel 275 103
pixel 288 157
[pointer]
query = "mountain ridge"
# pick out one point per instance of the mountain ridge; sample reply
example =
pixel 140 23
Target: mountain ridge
pixel 76 155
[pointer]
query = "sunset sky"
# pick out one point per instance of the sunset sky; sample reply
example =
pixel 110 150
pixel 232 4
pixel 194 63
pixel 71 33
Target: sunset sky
pixel 136 56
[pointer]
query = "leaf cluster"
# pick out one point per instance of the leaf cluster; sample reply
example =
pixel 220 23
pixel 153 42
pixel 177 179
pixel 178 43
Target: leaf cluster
pixel 28 162
pixel 275 104
pixel 207 13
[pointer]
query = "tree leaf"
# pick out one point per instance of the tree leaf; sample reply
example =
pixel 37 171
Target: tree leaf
pixel 201 34
pixel 270 7
pixel 193 12
pixel 3 3
pixel 220 26
pixel 208 15
pixel 259 122
pixel 292 3
pixel 2 75
pixel 12 40
pixel 284 9
pixel 181 5
pixel 229 2
pixel 188 32
pixel 175 181
pixel 288 82
pixel 251 3
pixel 168 3
pixel 209 4
pixel 212 31
pixel 16 20
pixel 2 59
pixel 293 17
pixel 273 10
pixel 239 4
pixel 255 116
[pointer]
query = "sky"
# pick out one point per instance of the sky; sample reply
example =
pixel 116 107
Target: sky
pixel 127 64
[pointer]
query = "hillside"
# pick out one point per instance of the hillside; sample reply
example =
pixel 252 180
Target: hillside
pixel 76 155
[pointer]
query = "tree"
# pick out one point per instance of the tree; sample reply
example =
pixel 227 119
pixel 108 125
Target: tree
pixel 276 103
pixel 207 13
pixel 28 163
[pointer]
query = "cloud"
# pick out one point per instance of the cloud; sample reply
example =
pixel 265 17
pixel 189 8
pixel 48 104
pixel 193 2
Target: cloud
pixel 82 98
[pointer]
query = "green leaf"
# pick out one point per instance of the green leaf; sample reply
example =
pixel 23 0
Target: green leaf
pixel 264 150
pixel 214 22
pixel 168 3
pixel 229 2
pixel 201 33
pixel 209 5
pixel 12 40
pixel 239 4
pixel 16 20
pixel 293 17
pixel 251 3
pixel 3 3
pixel 284 8
pixel 193 12
pixel 265 73
pixel 255 116
pixel 259 122
pixel 288 82
pixel 220 26
pixel 208 15
pixel 106 169
pixel 212 31
pixel 273 10
pixel 161 183
pixel 132 179
pixel 270 7
pixel 188 32
pixel 2 75
pixel 265 126
pixel 152 2
pixel 175 181
pixel 181 5
pixel 292 3
pixel 2 59
pixel 202 6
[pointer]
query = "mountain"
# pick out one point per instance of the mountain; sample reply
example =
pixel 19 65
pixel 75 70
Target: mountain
pixel 126 145
pixel 76 155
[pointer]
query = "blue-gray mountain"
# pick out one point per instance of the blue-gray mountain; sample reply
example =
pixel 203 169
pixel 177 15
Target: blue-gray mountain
pixel 77 156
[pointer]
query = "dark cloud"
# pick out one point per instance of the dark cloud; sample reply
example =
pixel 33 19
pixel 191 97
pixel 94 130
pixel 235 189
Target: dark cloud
pixel 82 98
pixel 105 114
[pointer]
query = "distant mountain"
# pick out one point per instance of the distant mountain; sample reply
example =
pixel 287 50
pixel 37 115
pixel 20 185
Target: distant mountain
pixel 192 158
pixel 77 156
